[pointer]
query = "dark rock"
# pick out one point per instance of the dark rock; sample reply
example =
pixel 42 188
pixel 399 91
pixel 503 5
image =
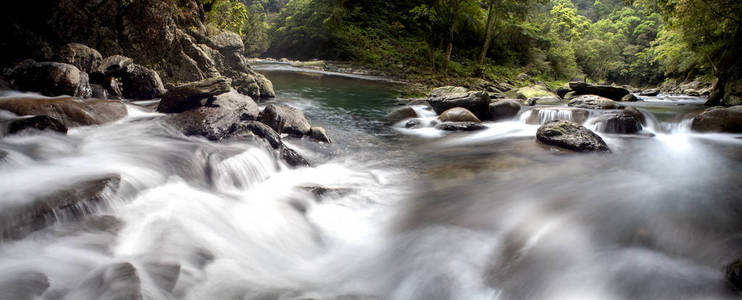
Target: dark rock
pixel 320 192
pixel 442 99
pixel 115 65
pixel 285 119
pixel 37 122
pixel 414 123
pixel 83 57
pixel 98 92
pixel 260 130
pixel 460 126
pixel 629 98
pixel 50 79
pixel 562 91
pixel 571 136
pixel 76 200
pixel 458 114
pixel 319 134
pixel 141 83
pixel 733 274
pixel 594 102
pixel 650 92
pixel 719 119
pixel 111 85
pixel 190 95
pixel 726 93
pixel 4 85
pixel 293 158
pixel 400 114
pixel 611 92
pixel 628 121
pixel 218 118
pixel 504 109
pixel 71 112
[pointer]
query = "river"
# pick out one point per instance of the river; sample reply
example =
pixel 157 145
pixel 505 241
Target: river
pixel 404 213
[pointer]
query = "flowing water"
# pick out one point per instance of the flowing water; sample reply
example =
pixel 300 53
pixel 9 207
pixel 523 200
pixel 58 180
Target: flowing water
pixel 407 213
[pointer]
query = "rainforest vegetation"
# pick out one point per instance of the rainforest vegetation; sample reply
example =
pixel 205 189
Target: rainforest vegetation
pixel 642 42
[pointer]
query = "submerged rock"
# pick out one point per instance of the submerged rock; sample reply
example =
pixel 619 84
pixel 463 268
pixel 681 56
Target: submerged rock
pixel 319 134
pixel 293 158
pixel 504 109
pixel 458 114
pixel 74 201
pixel 111 282
pixel 285 119
pixel 50 79
pixel 719 119
pixel 71 112
pixel 401 114
pixel 571 136
pixel 37 122
pixel 83 57
pixel 611 92
pixel 594 102
pixel 192 95
pixel 28 285
pixel 445 98
pixel 460 126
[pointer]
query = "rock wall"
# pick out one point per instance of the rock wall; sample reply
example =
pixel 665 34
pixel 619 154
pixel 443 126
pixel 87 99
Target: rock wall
pixel 166 36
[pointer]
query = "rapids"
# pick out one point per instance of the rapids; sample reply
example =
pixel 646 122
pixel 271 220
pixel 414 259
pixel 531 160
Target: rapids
pixel 407 213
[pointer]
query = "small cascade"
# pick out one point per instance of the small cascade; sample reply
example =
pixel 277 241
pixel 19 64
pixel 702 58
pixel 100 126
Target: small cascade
pixel 538 116
pixel 243 170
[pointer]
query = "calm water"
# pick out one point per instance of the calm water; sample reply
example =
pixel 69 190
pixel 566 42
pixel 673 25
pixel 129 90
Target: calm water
pixel 412 214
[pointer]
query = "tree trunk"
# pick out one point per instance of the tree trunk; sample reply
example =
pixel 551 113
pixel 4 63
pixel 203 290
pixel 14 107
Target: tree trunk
pixel 487 38
pixel 451 27
pixel 432 61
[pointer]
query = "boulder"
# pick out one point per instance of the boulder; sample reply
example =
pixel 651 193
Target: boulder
pixel 37 122
pixel 726 93
pixel 115 65
pixel 50 79
pixel 293 158
pixel 536 91
pixel 460 126
pixel 193 94
pixel 259 130
pixel 111 85
pixel 562 91
pixel 83 57
pixel 401 114
pixel 141 83
pixel 594 102
pixel 71 112
pixel 548 100
pixel 650 92
pixel 504 109
pixel 285 119
pixel 413 123
pixel 719 119
pixel 628 121
pixel 629 98
pixel 218 119
pixel 571 136
pixel 76 200
pixel 611 92
pixel 458 114
pixel 444 98
pixel 523 77
pixel 319 134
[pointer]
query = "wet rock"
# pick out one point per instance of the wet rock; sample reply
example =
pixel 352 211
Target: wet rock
pixel 76 200
pixel 37 122
pixel 319 134
pixel 71 112
pixel 83 57
pixel 629 98
pixel 28 285
pixel 611 92
pixel 562 91
pixel 98 92
pixel 542 115
pixel 293 158
pixel 719 119
pixel 460 126
pixel 628 121
pixel 414 123
pixel 458 114
pixel 115 65
pixel 218 118
pixel 112 87
pixel 650 92
pixel 504 109
pixel 444 98
pixel 192 95
pixel 163 274
pixel 141 83
pixel 50 79
pixel 594 102
pixel 549 100
pixel 105 223
pixel 260 130
pixel 400 114
pixel 320 192
pixel 733 274
pixel 571 136
pixel 111 282
pixel 285 119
